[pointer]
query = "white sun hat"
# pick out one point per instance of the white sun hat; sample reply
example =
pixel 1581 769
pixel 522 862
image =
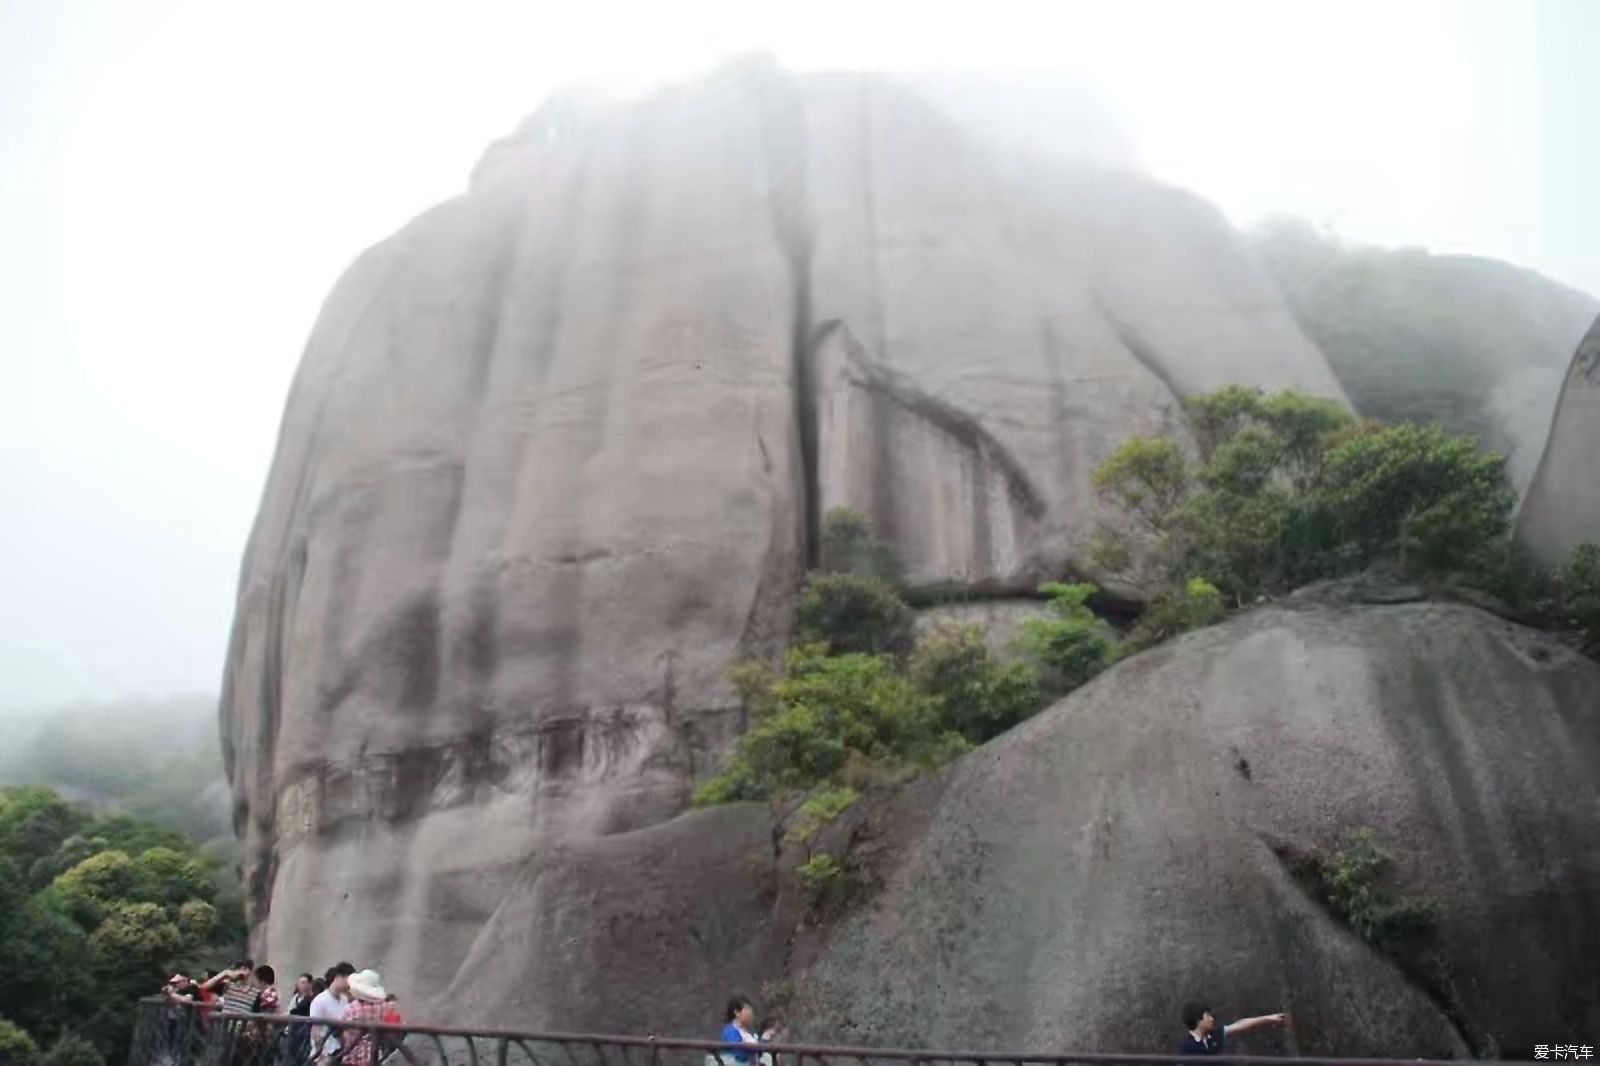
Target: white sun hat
pixel 367 985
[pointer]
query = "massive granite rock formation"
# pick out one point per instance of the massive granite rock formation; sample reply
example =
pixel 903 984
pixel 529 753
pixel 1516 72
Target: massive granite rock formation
pixel 1562 508
pixel 1072 883
pixel 557 451
pixel 1477 345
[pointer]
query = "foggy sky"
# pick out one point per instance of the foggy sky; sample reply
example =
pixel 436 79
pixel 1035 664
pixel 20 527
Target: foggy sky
pixel 181 181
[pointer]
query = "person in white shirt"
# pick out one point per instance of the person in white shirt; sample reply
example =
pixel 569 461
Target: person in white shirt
pixel 329 1006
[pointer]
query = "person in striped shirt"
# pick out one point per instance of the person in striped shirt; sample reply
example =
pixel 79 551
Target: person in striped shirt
pixel 239 995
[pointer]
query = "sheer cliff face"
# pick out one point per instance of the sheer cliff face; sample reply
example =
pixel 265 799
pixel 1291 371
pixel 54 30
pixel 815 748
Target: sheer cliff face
pixel 557 452
pixel 1562 508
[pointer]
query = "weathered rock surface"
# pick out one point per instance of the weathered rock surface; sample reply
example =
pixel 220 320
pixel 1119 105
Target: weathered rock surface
pixel 1072 883
pixel 556 453
pixel 1562 508
pixel 1475 344
pixel 989 329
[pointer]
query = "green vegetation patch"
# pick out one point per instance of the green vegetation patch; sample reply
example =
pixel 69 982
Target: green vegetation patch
pixel 95 912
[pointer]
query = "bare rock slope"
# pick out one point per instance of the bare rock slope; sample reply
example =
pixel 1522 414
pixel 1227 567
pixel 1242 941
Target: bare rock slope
pixel 557 451
pixel 1562 508
pixel 1145 842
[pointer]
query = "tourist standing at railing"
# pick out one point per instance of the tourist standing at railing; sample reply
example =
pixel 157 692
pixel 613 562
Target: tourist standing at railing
pixel 1206 1037
pixel 254 1040
pixel 240 994
pixel 367 1007
pixel 736 1030
pixel 181 991
pixel 300 999
pixel 299 1036
pixel 394 1042
pixel 772 1031
pixel 265 984
pixel 209 994
pixel 329 1006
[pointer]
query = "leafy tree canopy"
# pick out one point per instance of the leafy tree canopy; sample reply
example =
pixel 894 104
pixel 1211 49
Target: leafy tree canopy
pixel 854 614
pixel 95 911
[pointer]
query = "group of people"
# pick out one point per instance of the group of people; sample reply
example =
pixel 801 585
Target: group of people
pixel 342 994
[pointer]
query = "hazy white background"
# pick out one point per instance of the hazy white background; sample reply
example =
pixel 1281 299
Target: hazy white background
pixel 182 180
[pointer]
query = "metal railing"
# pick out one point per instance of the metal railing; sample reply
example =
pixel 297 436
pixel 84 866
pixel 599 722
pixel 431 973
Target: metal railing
pixel 170 1034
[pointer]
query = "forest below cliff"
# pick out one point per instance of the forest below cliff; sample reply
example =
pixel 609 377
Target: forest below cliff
pixel 95 911
pixel 117 865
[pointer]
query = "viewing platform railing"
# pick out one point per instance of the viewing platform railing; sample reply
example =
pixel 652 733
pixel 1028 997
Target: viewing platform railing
pixel 168 1034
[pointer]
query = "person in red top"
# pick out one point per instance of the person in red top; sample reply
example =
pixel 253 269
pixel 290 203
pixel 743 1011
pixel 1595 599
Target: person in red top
pixel 392 1042
pixel 209 993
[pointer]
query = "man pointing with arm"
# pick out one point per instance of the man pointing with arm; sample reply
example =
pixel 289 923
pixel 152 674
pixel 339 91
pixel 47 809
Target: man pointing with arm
pixel 1206 1037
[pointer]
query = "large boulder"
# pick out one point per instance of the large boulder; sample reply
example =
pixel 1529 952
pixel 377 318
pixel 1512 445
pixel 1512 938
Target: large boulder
pixel 1150 840
pixel 1477 345
pixel 1562 508
pixel 557 451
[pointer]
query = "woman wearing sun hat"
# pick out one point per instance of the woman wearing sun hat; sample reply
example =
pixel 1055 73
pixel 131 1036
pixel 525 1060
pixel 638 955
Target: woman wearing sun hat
pixel 366 1008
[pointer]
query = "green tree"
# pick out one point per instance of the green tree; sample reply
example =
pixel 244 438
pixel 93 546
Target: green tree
pixel 106 928
pixel 1354 884
pixel 821 715
pixel 825 882
pixel 196 921
pixel 1294 426
pixel 978 696
pixel 72 851
pixel 848 546
pixel 72 1050
pixel 1073 644
pixel 1579 584
pixel 167 876
pixel 94 884
pixel 34 822
pixel 1290 488
pixel 854 614
pixel 1426 498
pixel 820 810
pixel 1177 610
pixel 1146 475
pixel 42 956
pixel 1237 540
pixel 137 933
pixel 16 1046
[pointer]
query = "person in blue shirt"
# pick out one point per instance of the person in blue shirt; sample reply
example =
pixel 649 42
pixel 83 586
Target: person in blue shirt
pixel 1205 1036
pixel 740 1017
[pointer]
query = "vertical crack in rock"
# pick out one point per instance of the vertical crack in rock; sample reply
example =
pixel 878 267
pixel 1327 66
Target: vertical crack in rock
pixel 784 145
